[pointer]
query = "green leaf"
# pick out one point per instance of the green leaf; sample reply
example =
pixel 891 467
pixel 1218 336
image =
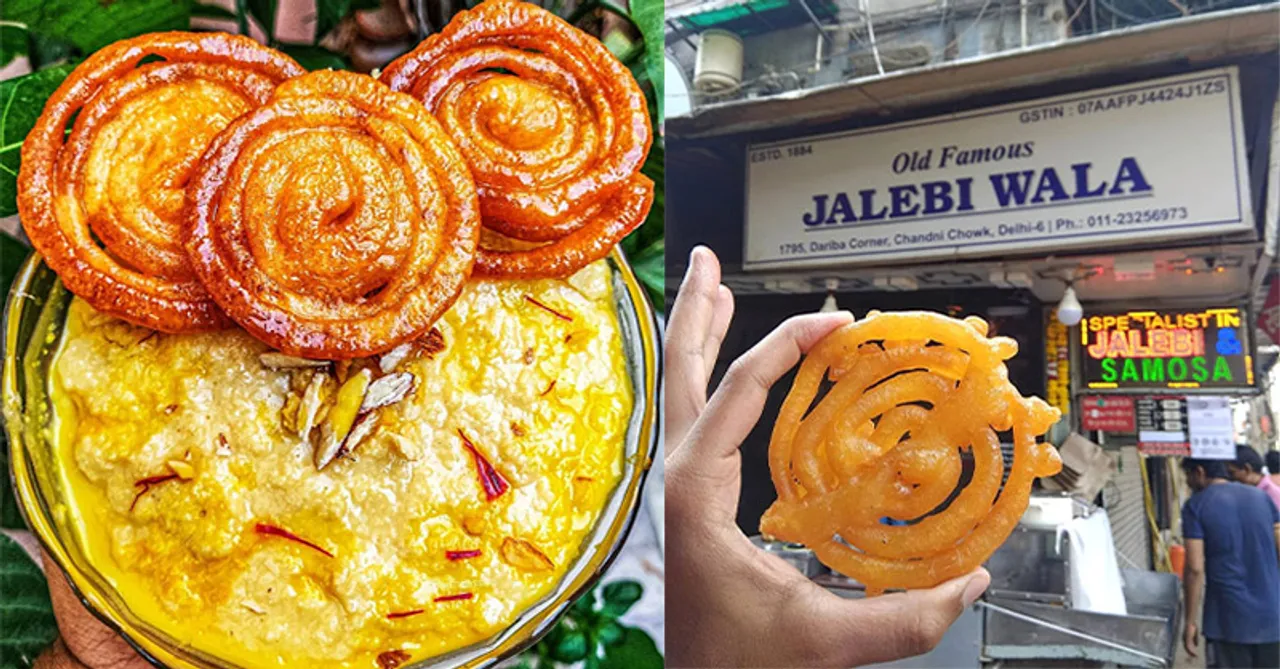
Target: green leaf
pixel 636 651
pixel 650 267
pixel 265 12
pixel 90 25
pixel 570 647
pixel 211 12
pixel 610 634
pixel 316 57
pixel 13 43
pixel 47 51
pixel 330 12
pixel 21 101
pixel 648 17
pixel 27 624
pixel 586 604
pixel 620 596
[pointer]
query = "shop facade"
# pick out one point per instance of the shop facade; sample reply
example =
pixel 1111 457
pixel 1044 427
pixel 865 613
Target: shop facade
pixel 1137 172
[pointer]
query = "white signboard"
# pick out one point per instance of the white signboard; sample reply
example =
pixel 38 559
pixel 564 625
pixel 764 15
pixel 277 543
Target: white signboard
pixel 1160 159
pixel 1211 428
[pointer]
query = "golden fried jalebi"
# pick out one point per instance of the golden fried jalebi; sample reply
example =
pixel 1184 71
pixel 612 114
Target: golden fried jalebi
pixel 555 140
pixel 910 390
pixel 335 221
pixel 121 173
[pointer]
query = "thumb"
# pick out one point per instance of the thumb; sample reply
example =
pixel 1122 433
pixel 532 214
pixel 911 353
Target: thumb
pixel 895 626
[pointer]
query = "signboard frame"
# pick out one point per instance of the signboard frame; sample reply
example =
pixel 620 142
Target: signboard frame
pixel 1080 382
pixel 978 240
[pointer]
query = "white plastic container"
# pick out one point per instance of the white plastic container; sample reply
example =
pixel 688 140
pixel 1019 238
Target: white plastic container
pixel 719 64
pixel 1047 513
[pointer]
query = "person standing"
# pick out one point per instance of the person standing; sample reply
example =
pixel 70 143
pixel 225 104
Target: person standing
pixel 1273 466
pixel 1247 469
pixel 1233 552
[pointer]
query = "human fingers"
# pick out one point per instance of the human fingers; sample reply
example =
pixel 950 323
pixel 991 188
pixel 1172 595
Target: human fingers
pixel 693 317
pixel 91 642
pixel 736 405
pixel 854 632
pixel 722 315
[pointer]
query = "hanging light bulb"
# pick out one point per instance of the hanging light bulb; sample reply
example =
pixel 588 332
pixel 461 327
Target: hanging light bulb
pixel 1069 310
pixel 829 304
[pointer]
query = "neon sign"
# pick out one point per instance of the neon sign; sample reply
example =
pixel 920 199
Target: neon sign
pixel 1167 348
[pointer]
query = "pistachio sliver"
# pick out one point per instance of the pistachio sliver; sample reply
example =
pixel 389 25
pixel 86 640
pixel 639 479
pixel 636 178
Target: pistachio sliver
pixel 386 391
pixel 277 360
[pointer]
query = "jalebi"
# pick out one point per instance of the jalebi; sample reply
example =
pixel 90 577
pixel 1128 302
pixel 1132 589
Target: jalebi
pixel 120 174
pixel 335 221
pixel 910 391
pixel 554 128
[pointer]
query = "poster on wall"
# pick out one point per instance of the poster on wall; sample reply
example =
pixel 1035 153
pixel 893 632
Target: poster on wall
pixel 1086 169
pixel 1210 427
pixel 1107 413
pixel 1162 425
pixel 1167 348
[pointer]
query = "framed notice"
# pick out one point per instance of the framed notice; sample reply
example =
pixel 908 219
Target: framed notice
pixel 1167 348
pixel 1162 425
pixel 1102 167
pixel 1211 428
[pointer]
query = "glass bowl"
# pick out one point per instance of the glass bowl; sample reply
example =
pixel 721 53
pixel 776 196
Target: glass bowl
pixel 34 317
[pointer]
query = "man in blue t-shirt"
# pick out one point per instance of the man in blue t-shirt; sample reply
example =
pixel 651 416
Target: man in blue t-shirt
pixel 1233 552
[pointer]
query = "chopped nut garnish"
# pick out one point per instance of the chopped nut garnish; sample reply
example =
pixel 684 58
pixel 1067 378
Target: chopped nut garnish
pixel 517 430
pixel 312 400
pixel 184 470
pixel 253 606
pixel 392 659
pixel 392 359
pixel 363 427
pixel 528 356
pixel 523 555
pixel 386 391
pixel 433 343
pixel 474 525
pixel 223 448
pixel 168 411
pixel 342 415
pixel 277 360
pixel 289 412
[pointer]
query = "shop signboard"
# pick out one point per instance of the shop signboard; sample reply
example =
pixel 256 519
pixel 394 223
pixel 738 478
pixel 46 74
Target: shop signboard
pixel 1103 167
pixel 1162 425
pixel 1211 429
pixel 1107 413
pixel 1167 348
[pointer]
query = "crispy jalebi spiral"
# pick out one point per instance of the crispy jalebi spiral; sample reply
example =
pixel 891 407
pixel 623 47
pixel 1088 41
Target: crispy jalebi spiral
pixel 121 173
pixel 554 128
pixel 910 391
pixel 335 221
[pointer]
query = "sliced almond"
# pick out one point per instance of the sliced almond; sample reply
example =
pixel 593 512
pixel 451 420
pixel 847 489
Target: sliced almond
pixel 525 556
pixel 254 606
pixel 392 359
pixel 342 416
pixel 364 426
pixel 312 400
pixel 277 360
pixel 223 449
pixel 386 391
pixel 184 470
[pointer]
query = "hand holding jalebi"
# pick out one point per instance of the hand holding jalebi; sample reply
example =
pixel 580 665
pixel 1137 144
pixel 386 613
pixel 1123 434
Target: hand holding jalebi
pixel 121 173
pixel 910 391
pixel 555 139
